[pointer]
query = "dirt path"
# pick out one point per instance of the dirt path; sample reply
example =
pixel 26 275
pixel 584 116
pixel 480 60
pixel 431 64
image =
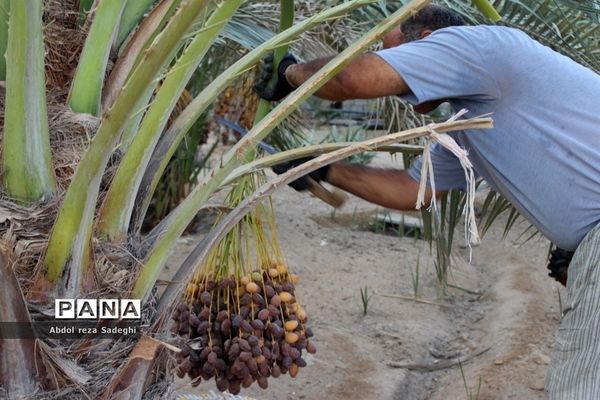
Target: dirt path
pixel 511 311
pixel 519 312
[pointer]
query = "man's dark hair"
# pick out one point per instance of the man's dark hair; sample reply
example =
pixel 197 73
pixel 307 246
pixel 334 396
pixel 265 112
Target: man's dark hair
pixel 433 17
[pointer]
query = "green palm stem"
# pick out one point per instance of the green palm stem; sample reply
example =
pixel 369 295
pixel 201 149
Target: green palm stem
pixel 4 9
pixel 26 157
pixel 174 225
pixel 133 52
pixel 185 273
pixel 248 184
pixel 286 21
pixel 86 88
pixel 487 10
pixel 69 244
pixel 174 135
pixel 133 125
pixel 132 15
pixel 115 213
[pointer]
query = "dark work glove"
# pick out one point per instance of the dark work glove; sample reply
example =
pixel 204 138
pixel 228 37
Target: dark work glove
pixel 559 264
pixel 301 183
pixel 281 87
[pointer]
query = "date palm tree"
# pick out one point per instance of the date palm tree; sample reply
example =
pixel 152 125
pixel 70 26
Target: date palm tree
pixel 89 87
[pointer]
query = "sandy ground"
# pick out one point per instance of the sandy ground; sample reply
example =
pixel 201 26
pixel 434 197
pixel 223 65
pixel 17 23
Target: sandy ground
pixel 403 349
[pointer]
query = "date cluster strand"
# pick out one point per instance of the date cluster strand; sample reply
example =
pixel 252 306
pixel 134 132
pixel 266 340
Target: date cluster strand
pixel 240 316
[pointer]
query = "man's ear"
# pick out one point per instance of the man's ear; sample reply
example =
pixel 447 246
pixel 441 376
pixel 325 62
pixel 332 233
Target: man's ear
pixel 425 33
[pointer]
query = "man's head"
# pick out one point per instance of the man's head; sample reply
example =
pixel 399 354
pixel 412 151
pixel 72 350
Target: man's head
pixel 420 25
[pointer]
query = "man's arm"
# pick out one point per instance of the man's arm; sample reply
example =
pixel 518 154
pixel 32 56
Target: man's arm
pixel 366 77
pixel 386 187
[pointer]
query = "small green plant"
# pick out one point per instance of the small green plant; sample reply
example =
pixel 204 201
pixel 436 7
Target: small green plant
pixel 438 230
pixel 560 305
pixel 469 391
pixel 401 231
pixel 414 274
pixel 365 298
pixel 395 224
pixel 354 223
pixel 381 221
pixel 333 213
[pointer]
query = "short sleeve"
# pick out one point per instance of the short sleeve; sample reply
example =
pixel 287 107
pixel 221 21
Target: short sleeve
pixel 445 64
pixel 447 171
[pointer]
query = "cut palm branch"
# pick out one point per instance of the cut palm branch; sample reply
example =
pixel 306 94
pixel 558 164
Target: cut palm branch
pixel 173 226
pixel 69 244
pixel 177 131
pixel 21 367
pixel 118 204
pixel 26 159
pixel 133 379
pixel 311 151
pixel 86 88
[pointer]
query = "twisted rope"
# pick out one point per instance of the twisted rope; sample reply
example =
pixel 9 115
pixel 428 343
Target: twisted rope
pixel 471 232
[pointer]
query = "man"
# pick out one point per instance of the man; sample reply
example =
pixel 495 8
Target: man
pixel 543 153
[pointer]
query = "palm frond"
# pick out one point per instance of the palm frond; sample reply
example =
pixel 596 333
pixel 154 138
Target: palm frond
pixel 564 28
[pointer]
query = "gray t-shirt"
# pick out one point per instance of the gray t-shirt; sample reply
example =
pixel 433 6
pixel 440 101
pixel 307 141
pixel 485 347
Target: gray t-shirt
pixel 543 153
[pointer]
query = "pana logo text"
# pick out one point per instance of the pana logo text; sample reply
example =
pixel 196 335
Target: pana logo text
pixel 97 309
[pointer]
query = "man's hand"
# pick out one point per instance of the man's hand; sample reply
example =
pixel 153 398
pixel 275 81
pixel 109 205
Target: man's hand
pixel 301 183
pixel 281 87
